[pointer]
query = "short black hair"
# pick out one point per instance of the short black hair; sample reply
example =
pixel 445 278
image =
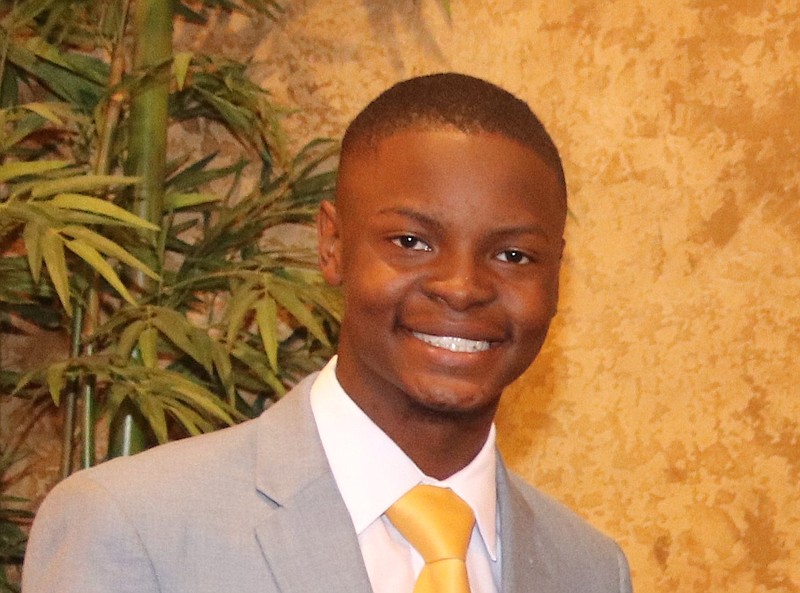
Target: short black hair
pixel 450 99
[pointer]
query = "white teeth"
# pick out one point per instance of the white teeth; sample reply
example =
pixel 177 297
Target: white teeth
pixel 453 344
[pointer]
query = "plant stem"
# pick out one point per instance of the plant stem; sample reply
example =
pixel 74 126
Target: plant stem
pixel 89 383
pixel 149 107
pixel 115 100
pixel 147 160
pixel 101 167
pixel 88 457
pixel 127 434
pixel 70 395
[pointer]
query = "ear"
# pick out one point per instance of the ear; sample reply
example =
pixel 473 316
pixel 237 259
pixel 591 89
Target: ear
pixel 329 237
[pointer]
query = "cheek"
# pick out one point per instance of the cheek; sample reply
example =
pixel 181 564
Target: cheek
pixel 532 317
pixel 534 309
pixel 373 289
pixel 368 278
pixel 546 293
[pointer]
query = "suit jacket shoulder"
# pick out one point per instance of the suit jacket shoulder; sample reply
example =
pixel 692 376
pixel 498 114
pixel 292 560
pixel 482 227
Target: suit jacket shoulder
pixel 547 548
pixel 252 508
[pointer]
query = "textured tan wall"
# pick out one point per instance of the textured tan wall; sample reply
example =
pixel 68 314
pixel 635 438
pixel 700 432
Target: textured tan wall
pixel 665 406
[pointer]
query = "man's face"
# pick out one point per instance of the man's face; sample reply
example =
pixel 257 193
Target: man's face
pixel 447 246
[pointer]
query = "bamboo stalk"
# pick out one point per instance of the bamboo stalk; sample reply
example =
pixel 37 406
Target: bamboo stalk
pixel 149 107
pixel 101 167
pixel 87 393
pixel 69 400
pixel 147 160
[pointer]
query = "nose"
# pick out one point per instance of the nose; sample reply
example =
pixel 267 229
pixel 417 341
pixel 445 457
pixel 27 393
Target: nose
pixel 460 282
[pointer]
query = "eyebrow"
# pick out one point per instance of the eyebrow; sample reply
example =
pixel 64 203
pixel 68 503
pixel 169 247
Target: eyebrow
pixel 424 219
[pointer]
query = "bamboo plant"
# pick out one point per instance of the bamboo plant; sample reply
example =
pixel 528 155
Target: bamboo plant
pixel 184 311
pixel 13 517
pixel 180 298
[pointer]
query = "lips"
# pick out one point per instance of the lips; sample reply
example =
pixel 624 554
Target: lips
pixel 453 343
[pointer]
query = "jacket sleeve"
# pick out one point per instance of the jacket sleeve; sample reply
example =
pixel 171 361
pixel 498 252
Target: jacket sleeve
pixel 81 541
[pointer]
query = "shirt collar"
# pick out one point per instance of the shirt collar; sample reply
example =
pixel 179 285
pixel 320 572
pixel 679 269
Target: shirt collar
pixel 372 472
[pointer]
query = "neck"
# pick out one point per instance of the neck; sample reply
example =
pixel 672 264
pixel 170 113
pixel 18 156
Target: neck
pixel 440 445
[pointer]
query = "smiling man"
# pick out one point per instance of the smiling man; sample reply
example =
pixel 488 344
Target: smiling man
pixel 447 245
pixel 380 472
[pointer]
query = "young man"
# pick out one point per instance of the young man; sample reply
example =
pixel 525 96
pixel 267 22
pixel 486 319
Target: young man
pixel 446 239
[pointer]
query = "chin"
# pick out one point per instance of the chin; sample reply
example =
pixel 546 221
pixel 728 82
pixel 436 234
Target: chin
pixel 457 403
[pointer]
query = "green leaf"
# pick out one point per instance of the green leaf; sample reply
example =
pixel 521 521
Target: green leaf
pixel 56 380
pixel 80 217
pixel 177 330
pixel 299 311
pixel 74 78
pixel 91 256
pixel 23 128
pixel 54 259
pixel 241 302
pixel 148 347
pixel 196 174
pixel 222 362
pixel 153 413
pixel 85 67
pixel 252 358
pixel 202 342
pixel 47 111
pixel 108 247
pixel 80 183
pixel 129 337
pixel 179 201
pixel 26 211
pixel 32 236
pixel 103 207
pixel 267 320
pixel 200 397
pixel 121 319
pixel 180 66
pixel 13 170
pixel 193 422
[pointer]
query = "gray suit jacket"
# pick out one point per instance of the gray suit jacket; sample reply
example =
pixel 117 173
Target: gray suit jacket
pixel 255 509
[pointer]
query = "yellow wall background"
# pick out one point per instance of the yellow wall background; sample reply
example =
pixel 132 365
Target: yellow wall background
pixel 665 406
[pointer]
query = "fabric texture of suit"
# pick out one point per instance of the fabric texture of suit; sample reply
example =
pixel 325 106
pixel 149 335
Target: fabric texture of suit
pixel 255 509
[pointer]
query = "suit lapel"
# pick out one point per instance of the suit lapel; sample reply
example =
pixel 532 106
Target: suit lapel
pixel 306 534
pixel 307 537
pixel 524 568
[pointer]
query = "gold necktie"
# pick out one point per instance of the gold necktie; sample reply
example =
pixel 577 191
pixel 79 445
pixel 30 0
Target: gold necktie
pixel 438 524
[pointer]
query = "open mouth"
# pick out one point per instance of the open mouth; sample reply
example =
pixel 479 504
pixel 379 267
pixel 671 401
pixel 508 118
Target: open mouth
pixel 452 343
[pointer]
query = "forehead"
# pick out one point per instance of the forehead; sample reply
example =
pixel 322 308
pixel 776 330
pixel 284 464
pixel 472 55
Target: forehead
pixel 451 167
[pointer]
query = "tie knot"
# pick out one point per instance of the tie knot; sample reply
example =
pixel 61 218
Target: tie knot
pixel 436 521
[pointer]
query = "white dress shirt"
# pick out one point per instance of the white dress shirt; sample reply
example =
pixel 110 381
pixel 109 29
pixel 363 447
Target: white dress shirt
pixel 372 472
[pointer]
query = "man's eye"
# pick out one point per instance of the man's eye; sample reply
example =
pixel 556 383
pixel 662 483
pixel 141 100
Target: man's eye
pixel 411 242
pixel 513 256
